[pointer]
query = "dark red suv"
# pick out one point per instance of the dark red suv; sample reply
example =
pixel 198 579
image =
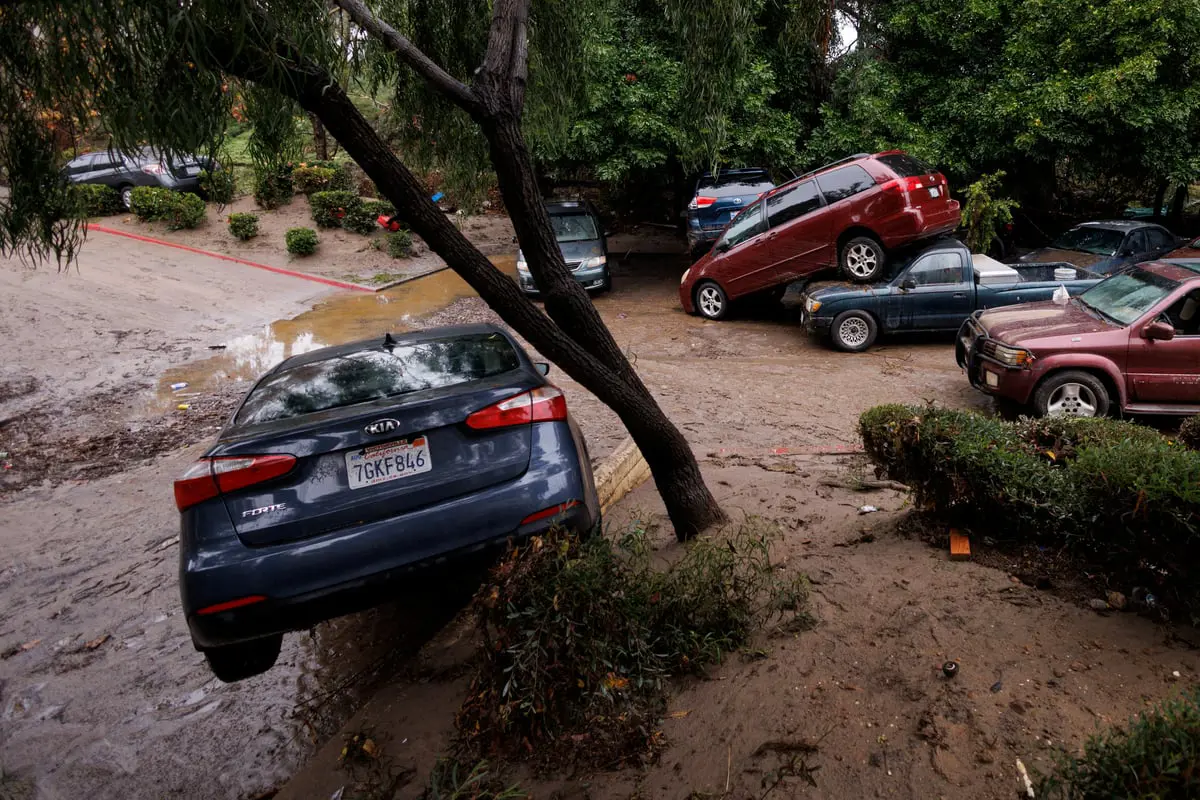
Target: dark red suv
pixel 849 213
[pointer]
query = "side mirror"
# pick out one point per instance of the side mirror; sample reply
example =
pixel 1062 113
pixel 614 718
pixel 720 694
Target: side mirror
pixel 908 284
pixel 542 367
pixel 1159 331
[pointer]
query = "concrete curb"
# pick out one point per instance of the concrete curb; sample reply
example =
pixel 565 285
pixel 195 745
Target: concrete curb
pixel 620 474
pixel 279 270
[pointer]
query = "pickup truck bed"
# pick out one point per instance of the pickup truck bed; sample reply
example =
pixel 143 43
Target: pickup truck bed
pixel 935 290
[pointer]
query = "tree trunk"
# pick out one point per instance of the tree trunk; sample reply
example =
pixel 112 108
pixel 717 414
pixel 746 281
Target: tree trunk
pixel 587 352
pixel 1177 203
pixel 1160 197
pixel 320 139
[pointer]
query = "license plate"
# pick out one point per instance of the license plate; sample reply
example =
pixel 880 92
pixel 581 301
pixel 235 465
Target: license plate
pixel 935 191
pixel 992 379
pixel 388 462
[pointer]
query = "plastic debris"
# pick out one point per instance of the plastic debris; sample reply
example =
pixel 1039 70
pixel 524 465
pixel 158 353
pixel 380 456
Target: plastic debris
pixel 175 387
pixel 184 406
pixel 437 197
pixel 997 686
pixel 1117 601
pixel 1096 604
pixel 867 509
pixel 1061 296
pixel 1025 785
pixel 950 669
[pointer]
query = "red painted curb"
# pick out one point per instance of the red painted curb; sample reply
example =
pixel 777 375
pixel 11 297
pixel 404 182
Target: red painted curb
pixel 831 450
pixel 280 270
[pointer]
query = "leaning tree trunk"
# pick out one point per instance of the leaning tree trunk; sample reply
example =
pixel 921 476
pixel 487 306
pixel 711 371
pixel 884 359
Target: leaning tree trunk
pixel 320 138
pixel 587 352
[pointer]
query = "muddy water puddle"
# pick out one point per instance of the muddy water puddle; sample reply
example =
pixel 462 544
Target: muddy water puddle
pixel 342 318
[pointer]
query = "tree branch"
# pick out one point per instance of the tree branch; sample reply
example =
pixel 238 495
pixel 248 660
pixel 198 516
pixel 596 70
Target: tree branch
pixel 410 54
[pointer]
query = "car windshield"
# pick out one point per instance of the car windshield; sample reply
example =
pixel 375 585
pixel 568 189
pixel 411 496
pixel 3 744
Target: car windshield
pixel 742 177
pixel 574 227
pixel 377 373
pixel 1097 241
pixel 1127 296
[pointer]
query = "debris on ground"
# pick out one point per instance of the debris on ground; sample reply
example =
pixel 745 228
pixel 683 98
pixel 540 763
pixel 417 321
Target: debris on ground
pixel 867 509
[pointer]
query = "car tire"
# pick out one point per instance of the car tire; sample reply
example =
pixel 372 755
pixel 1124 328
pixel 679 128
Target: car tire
pixel 1071 394
pixel 126 194
pixel 237 662
pixel 711 300
pixel 853 331
pixel 862 259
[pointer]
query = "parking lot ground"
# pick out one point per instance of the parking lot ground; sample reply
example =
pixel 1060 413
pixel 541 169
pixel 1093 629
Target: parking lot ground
pixel 101 694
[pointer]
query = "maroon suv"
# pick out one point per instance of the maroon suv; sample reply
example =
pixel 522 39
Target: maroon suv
pixel 849 213
pixel 1131 342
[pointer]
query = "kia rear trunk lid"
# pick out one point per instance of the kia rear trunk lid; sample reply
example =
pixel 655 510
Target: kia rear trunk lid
pixel 376 431
pixel 720 198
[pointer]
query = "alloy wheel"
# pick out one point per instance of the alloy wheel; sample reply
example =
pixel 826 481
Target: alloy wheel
pixel 853 332
pixel 1072 400
pixel 861 260
pixel 710 301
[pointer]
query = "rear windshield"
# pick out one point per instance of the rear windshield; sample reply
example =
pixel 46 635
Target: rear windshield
pixel 1126 296
pixel 747 178
pixel 377 373
pixel 905 165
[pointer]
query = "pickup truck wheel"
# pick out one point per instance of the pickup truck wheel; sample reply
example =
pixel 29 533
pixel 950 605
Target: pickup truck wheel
pixel 237 662
pixel 854 331
pixel 1071 394
pixel 711 300
pixel 862 259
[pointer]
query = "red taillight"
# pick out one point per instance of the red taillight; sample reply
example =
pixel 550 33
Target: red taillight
pixel 703 202
pixel 544 404
pixel 553 511
pixel 208 477
pixel 229 605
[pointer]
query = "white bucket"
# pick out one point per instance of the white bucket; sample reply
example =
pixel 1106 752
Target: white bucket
pixel 1064 273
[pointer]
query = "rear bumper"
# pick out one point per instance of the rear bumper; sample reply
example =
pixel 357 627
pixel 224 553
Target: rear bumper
pixel 913 224
pixel 314 579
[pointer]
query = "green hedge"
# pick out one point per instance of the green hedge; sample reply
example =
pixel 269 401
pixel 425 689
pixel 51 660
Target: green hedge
pixel 309 179
pixel 360 220
pixel 330 208
pixel 243 226
pixel 1156 757
pixel 301 241
pixel 97 200
pixel 273 185
pixel 399 244
pixel 1117 494
pixel 343 174
pixel 1189 432
pixel 219 186
pixel 177 209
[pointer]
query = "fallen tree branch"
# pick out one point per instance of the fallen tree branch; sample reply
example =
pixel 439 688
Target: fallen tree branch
pixel 865 485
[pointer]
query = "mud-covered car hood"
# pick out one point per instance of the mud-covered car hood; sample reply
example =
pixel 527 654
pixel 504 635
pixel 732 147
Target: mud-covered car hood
pixel 1035 322
pixel 1050 255
pixel 829 292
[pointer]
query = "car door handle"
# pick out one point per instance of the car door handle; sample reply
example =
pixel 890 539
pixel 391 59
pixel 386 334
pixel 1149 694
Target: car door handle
pixel 960 295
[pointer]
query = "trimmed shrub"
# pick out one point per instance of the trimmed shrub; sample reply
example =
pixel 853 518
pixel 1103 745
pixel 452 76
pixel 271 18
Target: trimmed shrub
pixel 301 241
pixel 359 220
pixel 399 244
pixel 243 226
pixel 329 208
pixel 1117 494
pixel 378 207
pixel 578 636
pixel 178 210
pixel 219 186
pixel 97 200
pixel 273 186
pixel 1189 433
pixel 342 179
pixel 1154 757
pixel 188 212
pixel 307 179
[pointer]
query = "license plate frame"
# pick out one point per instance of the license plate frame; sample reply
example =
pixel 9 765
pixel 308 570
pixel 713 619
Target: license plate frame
pixel 935 191
pixel 387 462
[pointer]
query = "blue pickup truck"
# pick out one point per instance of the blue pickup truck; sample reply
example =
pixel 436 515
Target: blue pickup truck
pixel 935 289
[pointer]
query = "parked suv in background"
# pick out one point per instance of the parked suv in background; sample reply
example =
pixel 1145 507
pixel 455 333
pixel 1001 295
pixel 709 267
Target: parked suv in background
pixel 583 243
pixel 849 213
pixel 717 200
pixel 146 167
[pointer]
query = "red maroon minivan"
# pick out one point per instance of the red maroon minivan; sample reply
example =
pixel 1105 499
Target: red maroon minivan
pixel 849 213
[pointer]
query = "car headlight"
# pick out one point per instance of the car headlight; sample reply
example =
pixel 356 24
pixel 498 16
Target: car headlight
pixel 811 305
pixel 592 263
pixel 686 272
pixel 1013 356
pixel 522 267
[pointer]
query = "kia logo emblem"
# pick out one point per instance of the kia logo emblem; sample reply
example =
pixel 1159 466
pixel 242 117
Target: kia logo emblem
pixel 381 426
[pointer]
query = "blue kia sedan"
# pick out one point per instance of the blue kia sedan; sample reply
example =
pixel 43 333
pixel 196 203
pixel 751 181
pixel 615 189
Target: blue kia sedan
pixel 349 472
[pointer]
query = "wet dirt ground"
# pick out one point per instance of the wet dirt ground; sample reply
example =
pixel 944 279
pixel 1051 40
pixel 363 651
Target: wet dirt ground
pixel 101 694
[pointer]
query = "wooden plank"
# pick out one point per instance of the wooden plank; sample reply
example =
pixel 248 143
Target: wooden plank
pixel 960 545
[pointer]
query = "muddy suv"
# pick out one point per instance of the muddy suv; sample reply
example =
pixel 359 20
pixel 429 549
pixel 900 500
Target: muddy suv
pixel 850 213
pixel 1131 342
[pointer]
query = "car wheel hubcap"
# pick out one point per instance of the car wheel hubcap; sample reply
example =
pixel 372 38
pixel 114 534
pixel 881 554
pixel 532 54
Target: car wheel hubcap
pixel 1072 400
pixel 710 301
pixel 853 332
pixel 861 260
pixel 126 197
